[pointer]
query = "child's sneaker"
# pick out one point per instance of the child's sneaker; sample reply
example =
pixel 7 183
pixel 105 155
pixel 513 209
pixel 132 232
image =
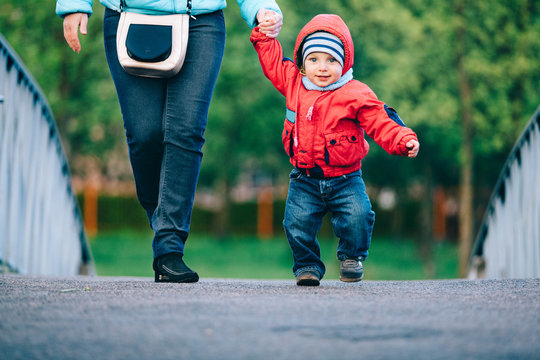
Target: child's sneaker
pixel 351 270
pixel 308 277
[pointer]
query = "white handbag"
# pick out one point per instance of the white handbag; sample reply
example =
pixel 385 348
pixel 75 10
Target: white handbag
pixel 152 45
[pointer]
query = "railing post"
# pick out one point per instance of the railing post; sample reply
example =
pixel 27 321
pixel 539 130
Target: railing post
pixel 508 242
pixel 41 229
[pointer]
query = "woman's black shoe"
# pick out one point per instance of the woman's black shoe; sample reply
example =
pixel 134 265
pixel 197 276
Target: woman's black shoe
pixel 171 268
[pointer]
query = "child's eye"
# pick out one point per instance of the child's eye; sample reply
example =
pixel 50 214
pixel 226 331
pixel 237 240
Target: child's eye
pixel 332 60
pixel 312 59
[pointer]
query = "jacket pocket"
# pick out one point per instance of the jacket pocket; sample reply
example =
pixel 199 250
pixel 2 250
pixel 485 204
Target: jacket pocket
pixel 345 148
pixel 286 137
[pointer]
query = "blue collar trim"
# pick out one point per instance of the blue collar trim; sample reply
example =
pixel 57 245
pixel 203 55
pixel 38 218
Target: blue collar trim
pixel 342 81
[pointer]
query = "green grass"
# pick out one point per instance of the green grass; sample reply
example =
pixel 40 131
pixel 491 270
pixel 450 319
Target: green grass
pixel 129 253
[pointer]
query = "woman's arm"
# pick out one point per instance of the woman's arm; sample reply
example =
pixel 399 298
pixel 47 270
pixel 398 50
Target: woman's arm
pixel 66 7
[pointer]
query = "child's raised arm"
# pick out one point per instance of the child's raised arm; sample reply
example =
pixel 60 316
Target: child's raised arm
pixel 275 67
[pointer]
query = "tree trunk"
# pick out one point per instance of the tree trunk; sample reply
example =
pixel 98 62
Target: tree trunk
pixel 466 188
pixel 426 233
pixel 221 220
pixel 265 212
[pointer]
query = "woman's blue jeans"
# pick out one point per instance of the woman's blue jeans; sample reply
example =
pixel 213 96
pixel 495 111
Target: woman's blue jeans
pixel 352 218
pixel 165 121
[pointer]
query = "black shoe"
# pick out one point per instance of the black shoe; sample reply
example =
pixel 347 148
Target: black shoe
pixel 171 268
pixel 308 277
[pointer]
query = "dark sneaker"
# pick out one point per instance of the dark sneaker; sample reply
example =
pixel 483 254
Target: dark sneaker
pixel 351 270
pixel 171 268
pixel 308 277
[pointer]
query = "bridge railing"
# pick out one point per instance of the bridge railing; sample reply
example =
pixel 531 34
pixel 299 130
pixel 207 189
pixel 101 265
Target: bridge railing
pixel 41 230
pixel 508 243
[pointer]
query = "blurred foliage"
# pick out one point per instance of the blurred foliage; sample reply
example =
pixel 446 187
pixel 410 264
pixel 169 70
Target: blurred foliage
pixel 125 253
pixel 404 50
pixel 123 212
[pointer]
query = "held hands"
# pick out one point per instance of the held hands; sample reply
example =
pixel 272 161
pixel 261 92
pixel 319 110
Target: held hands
pixel 72 22
pixel 270 22
pixel 413 146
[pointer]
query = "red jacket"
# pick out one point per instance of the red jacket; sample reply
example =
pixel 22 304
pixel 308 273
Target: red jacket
pixel 325 129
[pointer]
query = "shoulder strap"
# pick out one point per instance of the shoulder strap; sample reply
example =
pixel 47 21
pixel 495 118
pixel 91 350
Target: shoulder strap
pixel 188 6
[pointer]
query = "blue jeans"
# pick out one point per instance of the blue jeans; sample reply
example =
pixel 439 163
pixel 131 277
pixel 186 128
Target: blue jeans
pixel 352 218
pixel 165 121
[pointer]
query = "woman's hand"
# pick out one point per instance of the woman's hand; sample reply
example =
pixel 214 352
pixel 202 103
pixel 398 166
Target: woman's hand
pixel 270 22
pixel 72 23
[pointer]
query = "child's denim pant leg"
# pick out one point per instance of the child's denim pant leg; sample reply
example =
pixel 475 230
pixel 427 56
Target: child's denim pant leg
pixel 352 215
pixel 308 201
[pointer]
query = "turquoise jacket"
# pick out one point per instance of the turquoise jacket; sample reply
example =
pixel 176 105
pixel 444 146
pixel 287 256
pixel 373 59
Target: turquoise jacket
pixel 248 8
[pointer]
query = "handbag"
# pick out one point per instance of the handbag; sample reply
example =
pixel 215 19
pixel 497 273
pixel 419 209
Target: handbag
pixel 152 45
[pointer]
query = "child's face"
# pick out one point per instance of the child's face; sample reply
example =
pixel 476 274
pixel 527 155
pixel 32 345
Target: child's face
pixel 322 69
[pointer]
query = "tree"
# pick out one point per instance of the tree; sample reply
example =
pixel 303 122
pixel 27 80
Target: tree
pixel 467 156
pixel 78 86
pixel 497 80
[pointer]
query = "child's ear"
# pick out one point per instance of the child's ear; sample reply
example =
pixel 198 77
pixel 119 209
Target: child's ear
pixel 302 70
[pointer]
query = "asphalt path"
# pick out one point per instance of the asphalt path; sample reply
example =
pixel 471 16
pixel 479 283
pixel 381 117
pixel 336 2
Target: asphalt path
pixel 134 318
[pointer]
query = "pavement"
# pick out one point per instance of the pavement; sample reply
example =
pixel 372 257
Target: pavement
pixel 134 318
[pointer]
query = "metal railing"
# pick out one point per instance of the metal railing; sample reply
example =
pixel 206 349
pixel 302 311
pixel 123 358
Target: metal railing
pixel 508 243
pixel 41 230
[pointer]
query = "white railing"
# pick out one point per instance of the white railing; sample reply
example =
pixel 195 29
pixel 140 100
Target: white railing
pixel 508 243
pixel 41 230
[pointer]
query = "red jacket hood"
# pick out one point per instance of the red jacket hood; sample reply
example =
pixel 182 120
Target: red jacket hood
pixel 332 24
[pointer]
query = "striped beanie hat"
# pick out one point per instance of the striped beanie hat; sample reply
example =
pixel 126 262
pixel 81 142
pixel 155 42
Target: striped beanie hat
pixel 325 42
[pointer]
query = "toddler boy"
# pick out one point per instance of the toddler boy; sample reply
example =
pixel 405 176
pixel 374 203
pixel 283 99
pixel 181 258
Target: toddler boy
pixel 326 117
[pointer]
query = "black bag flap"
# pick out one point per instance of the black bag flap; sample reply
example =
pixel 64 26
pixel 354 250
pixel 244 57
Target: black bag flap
pixel 149 43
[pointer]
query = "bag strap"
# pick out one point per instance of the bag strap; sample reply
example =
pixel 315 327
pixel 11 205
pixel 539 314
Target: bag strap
pixel 188 6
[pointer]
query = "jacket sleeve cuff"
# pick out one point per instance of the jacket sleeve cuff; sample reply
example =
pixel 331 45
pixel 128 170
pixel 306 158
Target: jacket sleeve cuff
pixel 66 7
pixel 257 36
pixel 249 10
pixel 402 146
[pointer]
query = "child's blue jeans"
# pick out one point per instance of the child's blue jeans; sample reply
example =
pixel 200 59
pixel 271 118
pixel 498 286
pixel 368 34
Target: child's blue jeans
pixel 352 218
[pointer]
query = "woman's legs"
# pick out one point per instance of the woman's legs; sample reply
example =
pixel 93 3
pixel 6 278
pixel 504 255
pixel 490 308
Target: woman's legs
pixel 141 101
pixel 165 121
pixel 185 115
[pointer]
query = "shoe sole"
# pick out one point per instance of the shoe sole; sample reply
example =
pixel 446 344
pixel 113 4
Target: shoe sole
pixel 185 278
pixel 346 279
pixel 308 282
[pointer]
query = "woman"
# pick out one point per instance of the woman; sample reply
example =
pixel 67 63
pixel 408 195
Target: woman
pixel 165 118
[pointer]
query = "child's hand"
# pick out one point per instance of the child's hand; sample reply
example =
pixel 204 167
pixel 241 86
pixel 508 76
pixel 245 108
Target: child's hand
pixel 414 147
pixel 270 22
